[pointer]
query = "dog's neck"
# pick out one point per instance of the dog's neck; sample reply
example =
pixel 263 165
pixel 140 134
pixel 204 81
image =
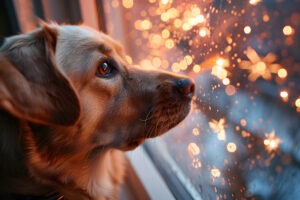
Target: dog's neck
pixel 54 164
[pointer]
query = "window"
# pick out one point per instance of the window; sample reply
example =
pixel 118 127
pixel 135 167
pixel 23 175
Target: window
pixel 242 138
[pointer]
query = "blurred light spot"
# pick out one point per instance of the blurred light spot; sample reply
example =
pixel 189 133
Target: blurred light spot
pixel 271 142
pixel 254 2
pixel 127 3
pixel 226 81
pixel 297 102
pixel 287 30
pixel 204 32
pixel 196 163
pixel 218 127
pixel 193 149
pixel 165 1
pixel 215 173
pixel 156 62
pixel 230 90
pixel 284 94
pixel 282 73
pixel 188 59
pixel 247 29
pixel 266 18
pixel 165 33
pixel 195 131
pixel 231 147
pixel 169 43
pixel 177 23
pixel 196 68
pixel 243 122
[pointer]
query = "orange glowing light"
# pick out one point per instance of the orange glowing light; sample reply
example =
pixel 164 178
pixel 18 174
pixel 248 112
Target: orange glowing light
pixel 247 29
pixel 297 102
pixel 188 59
pixel 215 173
pixel 282 73
pixel 259 66
pixel 266 18
pixel 254 2
pixel 219 69
pixel 284 94
pixel 193 149
pixel 169 43
pixel 230 90
pixel 177 23
pixel 127 3
pixel 165 33
pixel 218 127
pixel 231 147
pixel 271 142
pixel 287 30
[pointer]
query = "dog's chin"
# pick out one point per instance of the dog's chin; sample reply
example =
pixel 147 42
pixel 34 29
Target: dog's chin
pixel 160 121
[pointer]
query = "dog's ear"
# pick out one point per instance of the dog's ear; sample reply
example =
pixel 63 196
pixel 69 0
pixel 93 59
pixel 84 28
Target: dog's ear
pixel 32 87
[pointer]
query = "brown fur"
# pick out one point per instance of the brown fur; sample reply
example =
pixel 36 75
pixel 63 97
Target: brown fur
pixel 63 128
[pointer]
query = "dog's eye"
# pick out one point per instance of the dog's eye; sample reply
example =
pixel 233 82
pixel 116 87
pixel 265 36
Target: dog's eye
pixel 105 69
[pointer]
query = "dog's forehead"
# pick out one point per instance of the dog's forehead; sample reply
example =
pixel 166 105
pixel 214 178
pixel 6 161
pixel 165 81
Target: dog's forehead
pixel 89 34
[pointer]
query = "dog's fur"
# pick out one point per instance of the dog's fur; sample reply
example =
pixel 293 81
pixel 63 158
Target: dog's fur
pixel 62 127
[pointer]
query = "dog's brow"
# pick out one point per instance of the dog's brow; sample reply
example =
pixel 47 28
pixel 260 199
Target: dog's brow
pixel 104 48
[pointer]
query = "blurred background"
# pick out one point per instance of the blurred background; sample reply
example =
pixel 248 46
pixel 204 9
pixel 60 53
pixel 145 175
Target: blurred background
pixel 241 140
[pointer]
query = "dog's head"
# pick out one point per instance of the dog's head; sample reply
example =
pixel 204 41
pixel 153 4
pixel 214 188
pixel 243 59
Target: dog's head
pixel 76 79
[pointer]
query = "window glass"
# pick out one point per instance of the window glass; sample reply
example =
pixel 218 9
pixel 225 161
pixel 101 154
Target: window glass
pixel 242 137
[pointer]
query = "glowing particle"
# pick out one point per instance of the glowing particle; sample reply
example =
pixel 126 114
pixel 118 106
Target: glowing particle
pixel 165 17
pixel 200 19
pixel 231 147
pixel 215 173
pixel 266 18
pixel 156 62
pixel 195 131
pixel 287 30
pixel 164 2
pixel 218 127
pixel 254 2
pixel 188 59
pixel 196 68
pixel 177 23
pixel 165 33
pixel 226 81
pixel 204 32
pixel 127 3
pixel 297 102
pixel 284 94
pixel 193 149
pixel 247 29
pixel 169 43
pixel 271 142
pixel 282 73
pixel 243 122
pixel 196 163
pixel 230 90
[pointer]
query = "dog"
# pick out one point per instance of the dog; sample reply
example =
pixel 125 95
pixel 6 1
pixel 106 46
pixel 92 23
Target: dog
pixel 70 105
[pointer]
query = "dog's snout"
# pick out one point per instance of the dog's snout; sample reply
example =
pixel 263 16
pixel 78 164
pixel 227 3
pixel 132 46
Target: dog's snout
pixel 186 87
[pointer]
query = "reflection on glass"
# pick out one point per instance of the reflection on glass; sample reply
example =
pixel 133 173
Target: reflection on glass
pixel 242 139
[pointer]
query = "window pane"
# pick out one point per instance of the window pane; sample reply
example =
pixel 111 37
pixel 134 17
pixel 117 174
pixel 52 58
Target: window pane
pixel 242 138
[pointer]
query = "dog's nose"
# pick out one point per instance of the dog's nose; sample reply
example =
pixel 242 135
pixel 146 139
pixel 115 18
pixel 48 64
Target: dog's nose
pixel 186 87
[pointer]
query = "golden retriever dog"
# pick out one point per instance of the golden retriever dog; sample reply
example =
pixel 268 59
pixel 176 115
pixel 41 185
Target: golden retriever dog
pixel 70 105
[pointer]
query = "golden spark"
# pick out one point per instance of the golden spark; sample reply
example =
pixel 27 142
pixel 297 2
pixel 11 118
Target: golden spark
pixel 259 66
